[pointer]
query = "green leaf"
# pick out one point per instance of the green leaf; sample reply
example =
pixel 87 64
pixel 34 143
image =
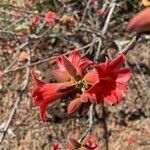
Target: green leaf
pixel 22 26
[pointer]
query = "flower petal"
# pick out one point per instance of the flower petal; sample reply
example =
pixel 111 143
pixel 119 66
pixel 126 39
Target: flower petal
pixel 43 109
pixel 74 105
pixel 102 68
pixel 123 75
pixel 115 97
pixel 117 63
pixel 79 63
pixel 91 77
pixel 60 64
pixel 74 57
pixel 45 94
pixel 36 80
pixel 61 76
pixel 69 67
pixel 121 86
pixel 96 92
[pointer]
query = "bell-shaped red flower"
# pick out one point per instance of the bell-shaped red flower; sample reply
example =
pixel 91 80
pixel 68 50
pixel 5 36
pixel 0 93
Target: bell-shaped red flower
pixel 140 22
pixel 45 93
pixel 110 80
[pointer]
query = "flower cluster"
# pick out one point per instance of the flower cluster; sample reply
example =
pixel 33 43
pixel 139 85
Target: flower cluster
pixel 104 82
pixel 50 18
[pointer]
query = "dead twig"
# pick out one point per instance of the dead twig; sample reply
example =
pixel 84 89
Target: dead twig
pixel 15 106
pixel 112 5
pixel 104 30
pixel 131 44
pixel 90 123
pixel 6 71
pixel 85 12
pixel 19 96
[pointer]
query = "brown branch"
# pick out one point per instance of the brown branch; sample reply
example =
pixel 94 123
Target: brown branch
pixel 13 111
pixel 131 44
pixel 6 71
pixel 104 30
pixel 15 106
pixel 85 12
pixel 112 5
pixel 90 123
pixel 105 136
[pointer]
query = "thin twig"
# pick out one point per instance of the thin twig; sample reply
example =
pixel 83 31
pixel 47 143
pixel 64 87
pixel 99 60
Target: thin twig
pixel 85 12
pixel 90 123
pixel 131 44
pixel 104 30
pixel 19 96
pixel 40 61
pixel 98 49
pixel 15 106
pixel 105 127
pixel 113 4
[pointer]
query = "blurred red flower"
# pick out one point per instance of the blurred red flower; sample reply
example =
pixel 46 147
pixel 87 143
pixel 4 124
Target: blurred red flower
pixel 90 143
pixel 100 11
pixel 55 146
pixel 50 17
pixel 1 75
pixel 35 20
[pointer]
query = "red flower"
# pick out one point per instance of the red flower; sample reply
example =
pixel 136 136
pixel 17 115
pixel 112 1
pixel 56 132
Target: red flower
pixel 55 146
pixel 89 142
pixel 45 93
pixel 140 22
pixel 105 82
pixel 71 72
pixel 100 11
pixel 50 17
pixel 1 75
pixel 34 21
pixel 110 78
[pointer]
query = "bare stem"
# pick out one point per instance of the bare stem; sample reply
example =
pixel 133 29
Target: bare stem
pixel 90 123
pixel 131 44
